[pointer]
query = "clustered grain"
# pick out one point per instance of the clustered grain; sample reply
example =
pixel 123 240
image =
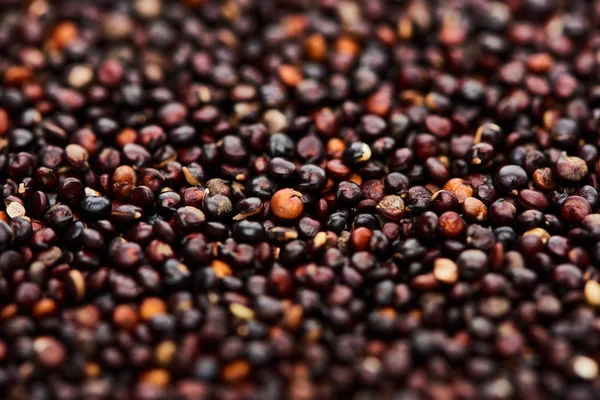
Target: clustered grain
pixel 299 199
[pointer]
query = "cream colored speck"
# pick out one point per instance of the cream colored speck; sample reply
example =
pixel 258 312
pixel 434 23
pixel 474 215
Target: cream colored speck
pixel 585 368
pixel 592 293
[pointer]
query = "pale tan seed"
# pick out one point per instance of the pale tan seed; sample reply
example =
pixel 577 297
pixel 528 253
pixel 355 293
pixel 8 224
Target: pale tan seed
pixel 592 293
pixel 15 209
pixel 320 239
pixel 275 120
pixel 164 353
pixel 80 76
pixel 445 270
pixel 585 368
pixel 148 8
pixel 241 311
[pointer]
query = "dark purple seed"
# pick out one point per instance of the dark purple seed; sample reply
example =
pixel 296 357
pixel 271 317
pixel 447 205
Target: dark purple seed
pixel 511 177
pixel 59 216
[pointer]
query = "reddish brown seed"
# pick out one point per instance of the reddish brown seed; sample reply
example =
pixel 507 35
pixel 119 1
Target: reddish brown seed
pixel 4 122
pixel 235 371
pixel 92 370
pixel 543 179
pixel 347 45
pixel 326 122
pixel 123 182
pixel 439 126
pixel 49 351
pixel 315 47
pixel 290 75
pixel 287 204
pixel 360 237
pixel 125 317
pixel 451 224
pixel 152 306
pixel 575 209
pixel 336 169
pixel 474 209
pixel 335 148
pixel 159 377
pixel 295 24
pixel 17 76
pixel 221 269
pixel 126 136
pixel 460 188
pixel 44 308
pixel 539 62
pixel 63 35
pixel 379 103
